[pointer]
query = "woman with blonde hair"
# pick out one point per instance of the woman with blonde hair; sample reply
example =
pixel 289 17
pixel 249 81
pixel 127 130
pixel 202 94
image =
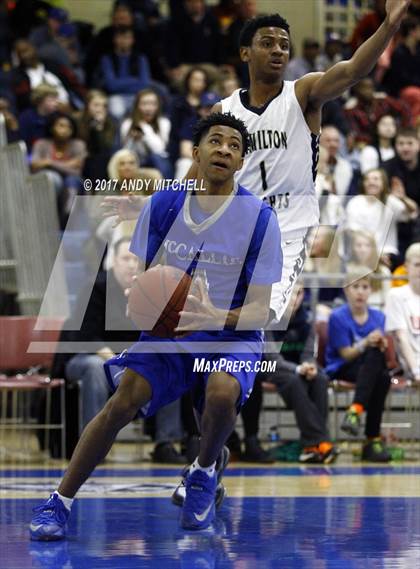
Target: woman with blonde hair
pixel 377 209
pixel 363 252
pixel 124 166
pixel 99 132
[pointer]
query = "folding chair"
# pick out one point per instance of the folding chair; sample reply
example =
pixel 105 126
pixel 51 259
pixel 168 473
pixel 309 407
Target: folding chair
pixel 23 376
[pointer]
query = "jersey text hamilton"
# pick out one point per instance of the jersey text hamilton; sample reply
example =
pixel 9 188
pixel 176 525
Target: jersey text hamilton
pixel 262 139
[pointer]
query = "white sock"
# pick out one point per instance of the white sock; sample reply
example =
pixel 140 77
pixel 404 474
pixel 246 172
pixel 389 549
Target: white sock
pixel 66 501
pixel 209 470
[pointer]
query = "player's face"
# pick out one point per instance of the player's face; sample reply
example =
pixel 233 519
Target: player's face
pixel 357 293
pixel 125 265
pixel 269 53
pixel 219 154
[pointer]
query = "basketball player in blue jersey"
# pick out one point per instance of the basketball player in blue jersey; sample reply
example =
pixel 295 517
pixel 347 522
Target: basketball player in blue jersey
pixel 232 235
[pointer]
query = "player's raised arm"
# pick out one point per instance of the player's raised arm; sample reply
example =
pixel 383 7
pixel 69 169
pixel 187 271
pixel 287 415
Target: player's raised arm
pixel 321 88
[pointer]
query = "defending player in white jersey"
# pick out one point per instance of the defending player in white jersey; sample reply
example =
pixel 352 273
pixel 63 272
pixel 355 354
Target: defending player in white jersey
pixel 284 119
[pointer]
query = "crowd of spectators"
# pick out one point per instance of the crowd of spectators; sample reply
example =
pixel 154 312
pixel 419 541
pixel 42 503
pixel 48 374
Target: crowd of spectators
pixel 120 103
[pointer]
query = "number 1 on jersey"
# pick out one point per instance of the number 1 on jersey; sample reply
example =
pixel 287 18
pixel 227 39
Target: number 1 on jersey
pixel 263 176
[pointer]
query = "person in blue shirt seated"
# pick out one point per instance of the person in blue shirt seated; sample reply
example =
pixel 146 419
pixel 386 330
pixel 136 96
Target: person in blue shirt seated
pixel 356 353
pixel 234 238
pixel 125 71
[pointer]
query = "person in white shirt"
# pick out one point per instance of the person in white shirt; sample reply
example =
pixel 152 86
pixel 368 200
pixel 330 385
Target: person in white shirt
pixel 372 156
pixel 377 210
pixel 146 132
pixel 340 170
pixel 402 314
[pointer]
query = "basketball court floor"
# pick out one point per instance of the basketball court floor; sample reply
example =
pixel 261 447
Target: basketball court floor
pixel 347 515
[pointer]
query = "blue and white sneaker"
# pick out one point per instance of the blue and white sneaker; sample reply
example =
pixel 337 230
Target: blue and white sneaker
pixel 178 495
pixel 199 510
pixel 50 521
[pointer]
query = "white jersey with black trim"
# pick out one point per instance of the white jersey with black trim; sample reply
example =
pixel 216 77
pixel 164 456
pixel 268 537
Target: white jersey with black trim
pixel 280 166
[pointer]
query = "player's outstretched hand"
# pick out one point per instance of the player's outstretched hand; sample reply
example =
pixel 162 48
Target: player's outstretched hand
pixel 396 10
pixel 123 207
pixel 199 312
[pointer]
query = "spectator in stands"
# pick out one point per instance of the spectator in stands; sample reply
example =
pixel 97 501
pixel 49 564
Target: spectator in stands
pixel 63 156
pixel 33 121
pixel 373 156
pixel 246 10
pixel 31 73
pixel 182 165
pixel 404 173
pixel 11 122
pixel 227 85
pixel 147 132
pixel 340 170
pixel 302 385
pixel 367 211
pixel 103 43
pixel 368 24
pixel 403 76
pixel 125 72
pixel 406 164
pixel 299 66
pixel 331 208
pixel 333 52
pixel 364 253
pixel 47 38
pixel 324 260
pixel 99 132
pixel 402 314
pixel 365 109
pixel 185 106
pixel 184 38
pixel 124 166
pixel 356 353
pixel 107 305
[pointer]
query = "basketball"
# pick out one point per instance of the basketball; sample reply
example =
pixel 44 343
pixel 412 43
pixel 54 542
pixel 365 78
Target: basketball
pixel 156 298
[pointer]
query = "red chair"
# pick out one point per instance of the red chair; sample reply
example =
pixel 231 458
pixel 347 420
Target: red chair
pixel 20 374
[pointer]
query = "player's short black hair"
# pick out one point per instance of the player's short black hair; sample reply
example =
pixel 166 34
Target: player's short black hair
pixel 251 26
pixel 226 119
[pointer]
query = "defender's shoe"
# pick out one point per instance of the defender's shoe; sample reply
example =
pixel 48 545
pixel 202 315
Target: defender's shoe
pixel 198 511
pixel 178 496
pixel 50 521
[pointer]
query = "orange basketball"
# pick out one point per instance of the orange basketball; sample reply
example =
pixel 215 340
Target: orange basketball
pixel 156 298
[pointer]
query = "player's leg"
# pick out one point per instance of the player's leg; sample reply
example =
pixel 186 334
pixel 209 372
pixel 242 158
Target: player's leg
pixel 218 421
pixel 94 444
pixel 294 253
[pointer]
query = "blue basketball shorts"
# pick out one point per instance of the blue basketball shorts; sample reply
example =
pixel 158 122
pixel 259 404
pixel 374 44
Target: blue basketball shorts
pixel 170 375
